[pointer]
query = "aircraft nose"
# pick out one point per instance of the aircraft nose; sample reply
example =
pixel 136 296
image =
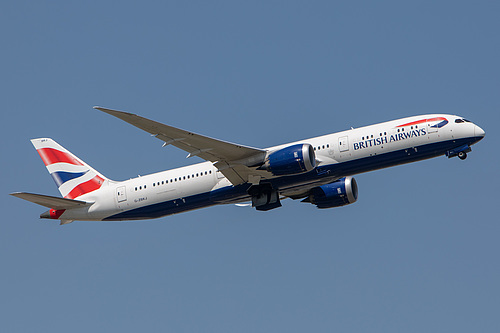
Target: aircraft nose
pixel 478 131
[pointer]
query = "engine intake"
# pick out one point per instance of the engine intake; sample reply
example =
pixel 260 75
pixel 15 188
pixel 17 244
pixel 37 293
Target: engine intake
pixel 340 193
pixel 291 160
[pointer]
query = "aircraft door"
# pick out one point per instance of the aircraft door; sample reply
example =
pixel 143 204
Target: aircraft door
pixel 343 144
pixel 121 194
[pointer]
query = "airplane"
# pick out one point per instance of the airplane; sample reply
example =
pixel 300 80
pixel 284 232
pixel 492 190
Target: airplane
pixel 318 170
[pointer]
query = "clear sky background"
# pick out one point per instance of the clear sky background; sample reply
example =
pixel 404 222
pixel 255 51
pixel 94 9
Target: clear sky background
pixel 418 252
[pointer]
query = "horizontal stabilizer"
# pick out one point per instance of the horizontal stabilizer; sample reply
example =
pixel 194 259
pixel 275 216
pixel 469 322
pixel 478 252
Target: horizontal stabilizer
pixel 50 201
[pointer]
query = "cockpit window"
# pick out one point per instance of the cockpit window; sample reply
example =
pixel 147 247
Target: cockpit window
pixel 467 121
pixel 459 120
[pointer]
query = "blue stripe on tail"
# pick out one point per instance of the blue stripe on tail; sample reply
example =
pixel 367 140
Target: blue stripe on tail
pixel 61 177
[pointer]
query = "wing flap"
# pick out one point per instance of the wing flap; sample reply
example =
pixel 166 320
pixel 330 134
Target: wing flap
pixel 50 201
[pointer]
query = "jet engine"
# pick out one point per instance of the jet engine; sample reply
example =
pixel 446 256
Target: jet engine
pixel 291 160
pixel 340 193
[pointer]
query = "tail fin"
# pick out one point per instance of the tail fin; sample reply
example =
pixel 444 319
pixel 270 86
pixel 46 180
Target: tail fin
pixel 72 176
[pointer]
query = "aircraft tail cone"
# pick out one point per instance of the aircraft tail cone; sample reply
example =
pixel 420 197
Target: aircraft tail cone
pixel 45 215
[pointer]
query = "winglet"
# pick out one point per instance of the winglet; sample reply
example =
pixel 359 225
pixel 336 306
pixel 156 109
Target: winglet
pixel 116 113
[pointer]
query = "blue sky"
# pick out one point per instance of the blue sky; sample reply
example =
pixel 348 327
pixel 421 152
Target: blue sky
pixel 417 252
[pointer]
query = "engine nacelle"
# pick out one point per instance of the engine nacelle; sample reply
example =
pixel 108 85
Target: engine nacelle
pixel 342 192
pixel 291 160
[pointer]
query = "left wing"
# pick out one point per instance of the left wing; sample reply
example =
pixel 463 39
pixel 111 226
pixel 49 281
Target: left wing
pixel 237 162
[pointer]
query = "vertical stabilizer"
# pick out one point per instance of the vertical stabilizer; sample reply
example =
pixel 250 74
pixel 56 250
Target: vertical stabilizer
pixel 72 176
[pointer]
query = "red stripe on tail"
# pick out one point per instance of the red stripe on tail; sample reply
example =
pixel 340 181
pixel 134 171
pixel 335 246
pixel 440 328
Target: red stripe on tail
pixel 89 186
pixel 51 156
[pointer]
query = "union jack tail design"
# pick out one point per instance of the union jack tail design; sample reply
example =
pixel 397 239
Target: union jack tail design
pixel 72 176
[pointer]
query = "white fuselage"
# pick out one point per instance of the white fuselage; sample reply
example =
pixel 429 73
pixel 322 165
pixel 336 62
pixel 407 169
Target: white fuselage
pixel 338 155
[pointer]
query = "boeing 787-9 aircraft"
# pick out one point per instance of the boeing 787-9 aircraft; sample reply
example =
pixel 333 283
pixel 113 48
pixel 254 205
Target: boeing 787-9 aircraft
pixel 317 170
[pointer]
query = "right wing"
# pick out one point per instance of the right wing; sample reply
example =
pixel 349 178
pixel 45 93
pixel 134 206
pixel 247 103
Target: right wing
pixel 50 201
pixel 237 162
